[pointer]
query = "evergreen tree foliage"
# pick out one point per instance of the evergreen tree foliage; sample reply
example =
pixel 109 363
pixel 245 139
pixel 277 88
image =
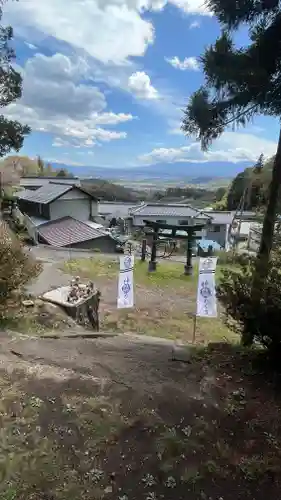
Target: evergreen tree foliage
pixel 12 133
pixel 240 83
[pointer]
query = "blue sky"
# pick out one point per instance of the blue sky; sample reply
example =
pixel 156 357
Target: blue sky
pixel 105 82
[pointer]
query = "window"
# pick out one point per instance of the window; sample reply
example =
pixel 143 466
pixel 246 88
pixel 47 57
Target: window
pixel 216 228
pixel 183 222
pixel 161 221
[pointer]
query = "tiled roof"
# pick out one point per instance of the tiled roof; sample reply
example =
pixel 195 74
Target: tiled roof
pixel 67 231
pixel 42 181
pixel 169 210
pixel 45 194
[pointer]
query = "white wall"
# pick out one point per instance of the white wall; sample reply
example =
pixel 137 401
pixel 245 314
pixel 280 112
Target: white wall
pixel 78 209
pixel 218 233
pixel 74 204
pixel 138 220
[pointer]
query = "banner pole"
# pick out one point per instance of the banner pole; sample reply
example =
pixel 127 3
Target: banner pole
pixel 194 328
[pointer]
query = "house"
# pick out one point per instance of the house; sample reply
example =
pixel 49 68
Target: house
pixel 54 201
pixel 218 228
pixel 64 215
pixel 167 213
pixel 216 224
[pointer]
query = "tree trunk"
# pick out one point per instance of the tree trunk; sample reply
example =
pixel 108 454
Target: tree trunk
pixel 267 236
pixel 270 216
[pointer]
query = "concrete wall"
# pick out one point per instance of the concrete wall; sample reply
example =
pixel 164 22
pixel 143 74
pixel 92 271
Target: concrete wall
pixel 94 208
pixel 254 240
pixel 104 244
pixel 31 229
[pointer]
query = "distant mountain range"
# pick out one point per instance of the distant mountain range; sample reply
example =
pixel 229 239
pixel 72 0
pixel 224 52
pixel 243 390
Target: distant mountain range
pixel 194 173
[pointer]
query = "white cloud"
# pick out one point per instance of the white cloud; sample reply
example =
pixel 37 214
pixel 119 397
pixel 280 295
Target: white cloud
pixel 191 6
pixel 232 146
pixel 30 46
pixel 55 101
pixel 108 30
pixel 140 85
pixel 194 25
pixel 187 63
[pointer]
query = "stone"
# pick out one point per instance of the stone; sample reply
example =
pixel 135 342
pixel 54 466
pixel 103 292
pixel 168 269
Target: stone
pixel 27 303
pixel 181 352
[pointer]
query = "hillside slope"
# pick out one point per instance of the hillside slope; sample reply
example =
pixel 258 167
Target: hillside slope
pixel 257 182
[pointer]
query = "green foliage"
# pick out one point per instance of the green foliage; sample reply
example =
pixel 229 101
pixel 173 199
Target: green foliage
pixel 12 133
pixel 259 319
pixel 227 258
pixel 239 83
pixel 256 181
pixel 28 167
pixel 63 173
pixel 41 166
pixel 104 190
pixel 16 267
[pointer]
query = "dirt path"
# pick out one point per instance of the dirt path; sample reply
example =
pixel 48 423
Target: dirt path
pixel 117 419
pixel 143 364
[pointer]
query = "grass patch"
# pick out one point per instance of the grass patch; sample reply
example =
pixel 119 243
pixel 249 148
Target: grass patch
pixel 168 274
pixel 169 324
pixel 165 301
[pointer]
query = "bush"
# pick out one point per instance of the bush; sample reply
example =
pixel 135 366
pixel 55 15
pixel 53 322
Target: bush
pixel 229 258
pixel 259 318
pixel 16 268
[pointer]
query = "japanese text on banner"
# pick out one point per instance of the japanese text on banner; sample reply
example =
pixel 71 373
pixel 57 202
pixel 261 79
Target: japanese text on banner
pixel 126 282
pixel 206 291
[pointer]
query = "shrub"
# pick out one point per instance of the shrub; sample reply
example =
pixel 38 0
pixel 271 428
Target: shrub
pixel 229 258
pixel 16 268
pixel 256 318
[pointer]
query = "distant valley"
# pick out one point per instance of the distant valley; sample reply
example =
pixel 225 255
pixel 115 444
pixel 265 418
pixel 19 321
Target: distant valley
pixel 211 175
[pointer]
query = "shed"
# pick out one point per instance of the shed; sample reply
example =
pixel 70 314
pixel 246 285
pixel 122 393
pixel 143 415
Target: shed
pixel 68 232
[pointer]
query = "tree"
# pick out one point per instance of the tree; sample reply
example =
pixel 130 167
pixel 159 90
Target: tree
pixel 239 83
pixel 41 166
pixel 12 133
pixel 49 171
pixel 63 173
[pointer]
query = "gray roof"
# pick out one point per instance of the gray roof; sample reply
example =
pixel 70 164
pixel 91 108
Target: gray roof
pixel 169 210
pixel 120 209
pixel 42 181
pixel 47 193
pixel 221 217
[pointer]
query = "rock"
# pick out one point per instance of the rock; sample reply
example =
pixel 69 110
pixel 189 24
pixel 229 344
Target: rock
pixel 28 303
pixel 51 315
pixel 181 352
